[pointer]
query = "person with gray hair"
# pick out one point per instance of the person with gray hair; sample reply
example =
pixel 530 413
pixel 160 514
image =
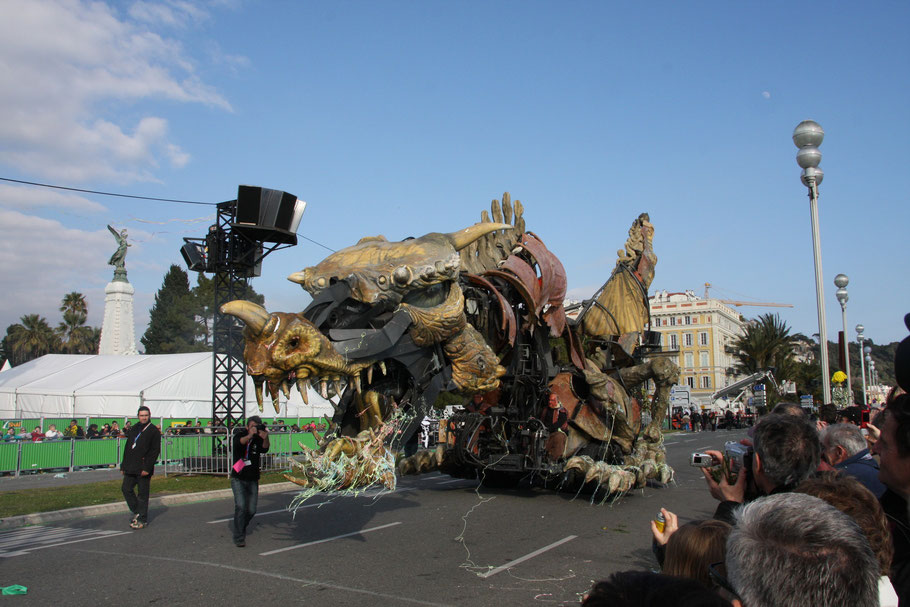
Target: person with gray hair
pixel 793 549
pixel 845 448
pixel 786 452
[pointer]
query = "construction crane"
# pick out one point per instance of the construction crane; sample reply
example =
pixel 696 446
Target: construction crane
pixel 732 302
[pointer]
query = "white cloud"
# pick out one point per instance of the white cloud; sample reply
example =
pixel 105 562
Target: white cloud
pixel 42 260
pixel 24 198
pixel 766 94
pixel 64 64
pixel 172 13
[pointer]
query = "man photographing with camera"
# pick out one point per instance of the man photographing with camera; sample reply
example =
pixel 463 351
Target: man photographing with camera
pixel 248 445
pixel 786 452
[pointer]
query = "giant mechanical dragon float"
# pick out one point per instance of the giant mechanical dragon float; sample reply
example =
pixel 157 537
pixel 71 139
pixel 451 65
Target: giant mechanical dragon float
pixel 477 314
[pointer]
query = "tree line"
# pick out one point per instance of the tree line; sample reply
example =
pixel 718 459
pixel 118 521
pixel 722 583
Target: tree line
pixel 180 321
pixel 767 342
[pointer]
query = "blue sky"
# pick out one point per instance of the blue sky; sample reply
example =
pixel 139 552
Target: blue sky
pixel 401 118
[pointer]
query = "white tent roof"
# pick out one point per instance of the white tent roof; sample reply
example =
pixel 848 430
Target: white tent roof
pixel 171 385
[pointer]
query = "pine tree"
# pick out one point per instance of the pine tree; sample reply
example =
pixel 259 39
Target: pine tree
pixel 204 295
pixel 172 325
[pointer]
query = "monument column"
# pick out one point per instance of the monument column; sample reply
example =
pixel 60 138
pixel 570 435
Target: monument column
pixel 118 334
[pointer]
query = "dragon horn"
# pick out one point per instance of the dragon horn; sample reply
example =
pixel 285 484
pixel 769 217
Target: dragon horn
pixel 464 237
pixel 297 277
pixel 254 315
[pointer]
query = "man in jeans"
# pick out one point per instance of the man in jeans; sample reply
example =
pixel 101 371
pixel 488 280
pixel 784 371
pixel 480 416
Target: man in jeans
pixel 248 445
pixel 140 452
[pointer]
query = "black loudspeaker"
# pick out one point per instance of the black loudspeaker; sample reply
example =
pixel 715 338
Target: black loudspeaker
pixel 268 215
pixel 194 256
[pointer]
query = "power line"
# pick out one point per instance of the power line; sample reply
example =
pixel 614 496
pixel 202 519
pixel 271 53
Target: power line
pixel 60 187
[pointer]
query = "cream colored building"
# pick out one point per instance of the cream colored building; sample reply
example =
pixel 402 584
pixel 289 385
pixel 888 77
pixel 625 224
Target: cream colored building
pixel 703 332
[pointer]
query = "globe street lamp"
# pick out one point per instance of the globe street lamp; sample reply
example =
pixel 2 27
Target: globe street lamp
pixel 807 136
pixel 841 281
pixel 862 364
pixel 868 351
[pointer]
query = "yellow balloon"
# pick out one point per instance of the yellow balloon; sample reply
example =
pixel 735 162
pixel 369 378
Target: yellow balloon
pixel 839 377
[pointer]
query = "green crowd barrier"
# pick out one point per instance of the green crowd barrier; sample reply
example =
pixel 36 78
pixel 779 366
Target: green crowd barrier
pixel 68 454
pixel 49 455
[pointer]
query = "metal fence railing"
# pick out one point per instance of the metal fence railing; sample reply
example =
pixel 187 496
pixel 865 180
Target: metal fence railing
pixel 66 454
pixel 212 453
pixel 204 453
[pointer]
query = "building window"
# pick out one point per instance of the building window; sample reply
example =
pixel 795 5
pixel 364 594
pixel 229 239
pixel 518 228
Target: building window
pixel 689 362
pixel 690 381
pixel 674 343
pixel 673 321
pixel 705 381
pixel 704 358
pixel 703 338
pixel 688 320
pixel 656 322
pixel 687 339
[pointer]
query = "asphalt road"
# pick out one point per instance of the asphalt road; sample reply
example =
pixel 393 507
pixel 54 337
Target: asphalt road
pixel 434 541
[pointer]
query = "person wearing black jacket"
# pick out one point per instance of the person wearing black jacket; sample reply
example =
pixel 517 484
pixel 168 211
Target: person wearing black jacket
pixel 787 451
pixel 143 444
pixel 247 446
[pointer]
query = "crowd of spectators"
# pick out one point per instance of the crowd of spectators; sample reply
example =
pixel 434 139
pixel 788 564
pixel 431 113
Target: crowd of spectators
pixel 816 515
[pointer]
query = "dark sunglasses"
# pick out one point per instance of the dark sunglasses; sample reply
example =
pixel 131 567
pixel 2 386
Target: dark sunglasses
pixel 714 572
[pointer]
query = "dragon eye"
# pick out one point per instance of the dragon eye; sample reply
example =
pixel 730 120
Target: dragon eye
pixel 294 342
pixel 401 276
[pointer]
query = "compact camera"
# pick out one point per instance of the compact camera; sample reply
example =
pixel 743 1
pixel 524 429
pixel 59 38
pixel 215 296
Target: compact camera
pixel 739 456
pixel 701 460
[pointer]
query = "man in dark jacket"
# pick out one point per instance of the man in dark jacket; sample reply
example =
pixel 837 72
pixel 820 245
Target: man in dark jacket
pixel 247 447
pixel 844 447
pixel 786 452
pixel 140 452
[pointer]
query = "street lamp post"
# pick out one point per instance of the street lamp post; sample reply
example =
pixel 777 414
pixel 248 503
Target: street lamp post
pixel 841 281
pixel 862 364
pixel 807 136
pixel 867 350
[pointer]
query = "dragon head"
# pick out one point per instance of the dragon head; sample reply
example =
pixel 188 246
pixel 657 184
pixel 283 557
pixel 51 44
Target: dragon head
pixel 374 304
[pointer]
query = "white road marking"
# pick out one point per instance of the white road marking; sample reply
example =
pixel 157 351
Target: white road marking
pixel 457 480
pixel 526 557
pixel 258 514
pixel 333 496
pixel 380 598
pixel 329 539
pixel 23 541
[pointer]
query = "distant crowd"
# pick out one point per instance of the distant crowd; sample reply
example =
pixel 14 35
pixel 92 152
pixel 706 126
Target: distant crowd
pixel 113 430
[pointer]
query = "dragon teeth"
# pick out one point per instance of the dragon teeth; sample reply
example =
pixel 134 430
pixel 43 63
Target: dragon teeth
pixel 324 389
pixel 382 367
pixel 302 386
pixel 273 392
pixel 357 385
pixel 258 384
pixel 370 374
pixel 286 389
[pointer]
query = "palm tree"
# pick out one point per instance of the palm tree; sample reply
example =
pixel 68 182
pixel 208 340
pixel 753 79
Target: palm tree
pixel 77 337
pixel 72 330
pixel 32 338
pixel 766 343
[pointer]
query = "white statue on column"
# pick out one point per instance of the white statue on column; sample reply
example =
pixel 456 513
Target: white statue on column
pixel 118 334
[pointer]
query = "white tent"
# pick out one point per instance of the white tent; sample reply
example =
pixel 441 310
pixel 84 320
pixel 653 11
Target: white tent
pixel 171 385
